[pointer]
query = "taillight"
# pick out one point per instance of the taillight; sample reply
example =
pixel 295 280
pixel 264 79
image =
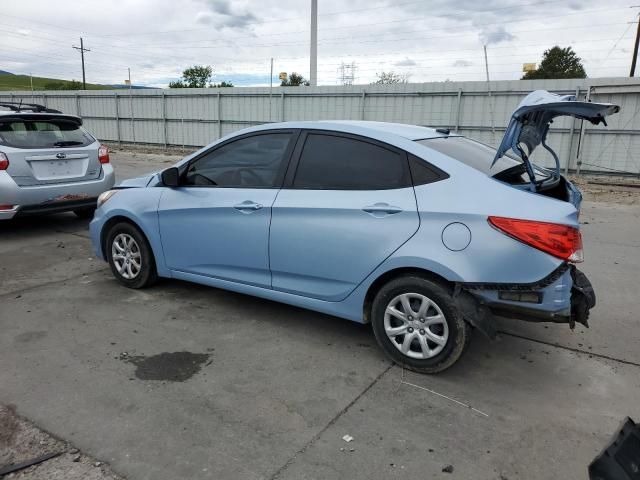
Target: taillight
pixel 4 161
pixel 561 241
pixel 103 154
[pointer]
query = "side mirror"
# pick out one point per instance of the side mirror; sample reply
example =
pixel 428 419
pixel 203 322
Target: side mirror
pixel 170 177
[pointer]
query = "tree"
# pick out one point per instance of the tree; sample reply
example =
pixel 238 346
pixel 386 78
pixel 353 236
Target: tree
pixel 558 63
pixel 197 76
pixel 65 85
pixel 387 78
pixel 294 80
pixel 221 84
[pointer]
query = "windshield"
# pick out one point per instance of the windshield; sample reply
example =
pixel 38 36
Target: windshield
pixel 472 153
pixel 20 133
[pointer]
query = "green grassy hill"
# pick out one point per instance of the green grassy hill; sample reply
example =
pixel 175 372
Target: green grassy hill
pixel 23 82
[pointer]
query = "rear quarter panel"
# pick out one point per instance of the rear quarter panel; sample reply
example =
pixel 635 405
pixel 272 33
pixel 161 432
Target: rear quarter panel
pixel 491 256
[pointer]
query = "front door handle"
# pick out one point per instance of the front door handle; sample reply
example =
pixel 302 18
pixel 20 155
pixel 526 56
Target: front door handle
pixel 381 209
pixel 248 206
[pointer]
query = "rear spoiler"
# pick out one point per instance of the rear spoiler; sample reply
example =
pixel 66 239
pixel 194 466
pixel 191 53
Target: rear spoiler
pixel 40 116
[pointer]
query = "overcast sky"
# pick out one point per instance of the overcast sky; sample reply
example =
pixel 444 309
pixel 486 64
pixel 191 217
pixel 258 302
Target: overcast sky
pixel 431 40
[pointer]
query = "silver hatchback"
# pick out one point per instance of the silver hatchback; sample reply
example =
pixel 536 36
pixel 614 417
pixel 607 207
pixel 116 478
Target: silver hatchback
pixel 49 163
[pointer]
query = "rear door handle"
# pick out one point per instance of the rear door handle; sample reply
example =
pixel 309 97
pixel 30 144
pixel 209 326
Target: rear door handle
pixel 248 206
pixel 381 209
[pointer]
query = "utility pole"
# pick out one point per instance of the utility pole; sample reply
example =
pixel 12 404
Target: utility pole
pixel 635 50
pixel 313 60
pixel 493 124
pixel 81 49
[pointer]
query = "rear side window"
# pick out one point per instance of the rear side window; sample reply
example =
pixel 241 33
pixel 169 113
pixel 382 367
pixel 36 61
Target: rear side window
pixel 43 134
pixel 330 162
pixel 423 172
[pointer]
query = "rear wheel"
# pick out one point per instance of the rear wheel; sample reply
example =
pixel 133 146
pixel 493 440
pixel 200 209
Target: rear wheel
pixel 130 256
pixel 418 325
pixel 86 212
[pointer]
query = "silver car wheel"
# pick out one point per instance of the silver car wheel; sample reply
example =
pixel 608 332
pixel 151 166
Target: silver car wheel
pixel 416 326
pixel 126 256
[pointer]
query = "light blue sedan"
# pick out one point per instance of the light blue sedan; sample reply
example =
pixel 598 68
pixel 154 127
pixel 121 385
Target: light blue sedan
pixel 424 233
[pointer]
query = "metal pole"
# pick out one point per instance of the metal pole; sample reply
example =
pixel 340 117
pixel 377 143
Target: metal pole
pixel 133 123
pixel 493 123
pixel 458 109
pixel 313 57
pixel 78 105
pixel 117 104
pixel 164 119
pixel 219 115
pixel 364 95
pixel 573 125
pixel 270 87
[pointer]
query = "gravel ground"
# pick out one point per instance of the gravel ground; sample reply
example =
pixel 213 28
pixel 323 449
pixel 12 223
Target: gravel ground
pixel 21 441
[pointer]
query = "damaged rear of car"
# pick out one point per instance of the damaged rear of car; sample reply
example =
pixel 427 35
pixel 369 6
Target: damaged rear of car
pixel 564 295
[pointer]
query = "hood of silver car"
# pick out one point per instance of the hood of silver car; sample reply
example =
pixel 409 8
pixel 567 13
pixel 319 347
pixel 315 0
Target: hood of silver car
pixel 531 120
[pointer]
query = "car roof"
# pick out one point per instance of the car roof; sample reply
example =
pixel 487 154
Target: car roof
pixel 360 127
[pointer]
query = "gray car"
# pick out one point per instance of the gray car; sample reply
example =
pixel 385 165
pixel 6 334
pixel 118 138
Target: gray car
pixel 49 163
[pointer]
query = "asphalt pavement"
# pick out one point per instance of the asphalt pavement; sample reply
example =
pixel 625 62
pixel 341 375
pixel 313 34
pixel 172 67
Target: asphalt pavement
pixel 186 381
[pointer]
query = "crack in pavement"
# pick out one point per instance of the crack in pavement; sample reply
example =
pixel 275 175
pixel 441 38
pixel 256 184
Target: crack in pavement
pixel 571 349
pixel 19 291
pixel 317 436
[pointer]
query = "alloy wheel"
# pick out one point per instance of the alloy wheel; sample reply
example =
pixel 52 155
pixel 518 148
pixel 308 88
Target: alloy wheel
pixel 416 326
pixel 126 256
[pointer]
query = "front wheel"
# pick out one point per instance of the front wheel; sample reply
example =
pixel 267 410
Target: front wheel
pixel 418 325
pixel 130 256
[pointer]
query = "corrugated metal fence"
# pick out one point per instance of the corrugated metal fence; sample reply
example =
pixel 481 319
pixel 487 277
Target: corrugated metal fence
pixel 196 117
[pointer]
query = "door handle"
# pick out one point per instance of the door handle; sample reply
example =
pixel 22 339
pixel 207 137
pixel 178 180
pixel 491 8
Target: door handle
pixel 248 206
pixel 381 209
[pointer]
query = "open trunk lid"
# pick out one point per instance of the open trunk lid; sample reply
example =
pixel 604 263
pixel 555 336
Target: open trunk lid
pixel 530 124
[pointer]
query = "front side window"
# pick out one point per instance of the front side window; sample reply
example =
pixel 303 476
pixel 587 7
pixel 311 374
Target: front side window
pixel 331 162
pixel 258 161
pixel 43 134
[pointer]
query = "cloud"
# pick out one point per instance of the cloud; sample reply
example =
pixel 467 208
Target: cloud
pixel 461 64
pixel 205 18
pixel 407 62
pixel 223 7
pixel 495 35
pixel 224 16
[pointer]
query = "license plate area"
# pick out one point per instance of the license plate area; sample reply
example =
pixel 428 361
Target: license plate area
pixel 59 168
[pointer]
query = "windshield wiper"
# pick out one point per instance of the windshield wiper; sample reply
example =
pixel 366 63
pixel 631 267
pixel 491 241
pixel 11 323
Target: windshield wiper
pixel 67 143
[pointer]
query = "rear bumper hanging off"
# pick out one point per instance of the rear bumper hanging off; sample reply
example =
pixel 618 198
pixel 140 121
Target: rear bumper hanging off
pixel 564 296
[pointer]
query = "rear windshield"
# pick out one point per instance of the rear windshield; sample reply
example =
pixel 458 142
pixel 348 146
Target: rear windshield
pixel 472 153
pixel 43 134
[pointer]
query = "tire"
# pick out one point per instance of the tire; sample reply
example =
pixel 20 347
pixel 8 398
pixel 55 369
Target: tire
pixel 86 212
pixel 134 265
pixel 436 336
